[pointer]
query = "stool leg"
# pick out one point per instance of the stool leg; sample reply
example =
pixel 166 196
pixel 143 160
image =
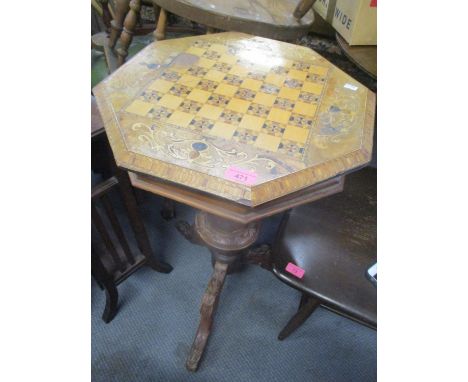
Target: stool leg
pixel 306 308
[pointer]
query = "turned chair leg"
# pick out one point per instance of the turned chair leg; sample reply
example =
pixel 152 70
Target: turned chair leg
pixel 160 32
pixel 121 9
pixel 306 308
pixel 128 29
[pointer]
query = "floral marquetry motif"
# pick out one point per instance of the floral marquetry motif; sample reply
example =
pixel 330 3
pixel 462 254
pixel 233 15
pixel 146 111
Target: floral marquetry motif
pixel 206 104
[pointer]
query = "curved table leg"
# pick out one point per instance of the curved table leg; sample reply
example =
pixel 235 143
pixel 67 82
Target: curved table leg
pixel 207 311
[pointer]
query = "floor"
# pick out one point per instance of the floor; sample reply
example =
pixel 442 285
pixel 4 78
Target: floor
pixel 158 314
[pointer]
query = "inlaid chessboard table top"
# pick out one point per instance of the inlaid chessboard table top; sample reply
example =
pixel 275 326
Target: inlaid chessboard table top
pixel 242 117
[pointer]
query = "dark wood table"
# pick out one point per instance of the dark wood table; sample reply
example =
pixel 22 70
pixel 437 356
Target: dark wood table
pixel 240 128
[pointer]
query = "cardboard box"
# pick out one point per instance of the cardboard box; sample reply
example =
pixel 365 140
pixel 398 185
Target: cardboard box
pixel 356 21
pixel 325 9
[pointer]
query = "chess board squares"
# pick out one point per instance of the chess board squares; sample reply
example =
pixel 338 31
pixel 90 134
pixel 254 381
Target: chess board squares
pixel 232 117
pixel 205 63
pixel 291 148
pixel 222 67
pixel 279 115
pixel 256 76
pixel 207 85
pixel 244 136
pixel 197 71
pixel 239 71
pixel 296 134
pixel 220 48
pixel 238 105
pixel 258 110
pixel 293 83
pixel 251 84
pixel 160 113
pixel 267 142
pixel 275 79
pixel 273 128
pixel 283 103
pixel 201 125
pixel 170 101
pixel 214 75
pixel 210 112
pixel 269 89
pixel 320 70
pixel 309 97
pixel 297 74
pixel 264 99
pixel 227 59
pixel 196 50
pixel 279 69
pixel 301 66
pixel 201 44
pixel 306 109
pixel 300 121
pixel 312 87
pixel 211 54
pixel 251 122
pixel 180 118
pixel 245 94
pixel 315 78
pixel 150 96
pixel 170 75
pixel 226 90
pixel 188 80
pixel 161 85
pixel 180 90
pixel 139 107
pixel 291 94
pixel 199 95
pixel 218 100
pixel 190 106
pixel 223 130
pixel 232 79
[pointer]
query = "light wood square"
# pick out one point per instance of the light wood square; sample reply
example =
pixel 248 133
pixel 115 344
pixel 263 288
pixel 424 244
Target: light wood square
pixel 189 80
pixel 267 142
pixel 170 101
pixel 303 108
pixel 264 99
pixel 210 112
pixel 195 51
pixel 239 105
pixel 239 71
pixel 320 70
pixel 205 63
pixel 214 75
pixel 162 86
pixel 199 95
pixel 251 84
pixel 223 130
pixel 289 93
pixel 312 87
pixel 297 134
pixel 226 89
pixel 297 74
pixel 228 59
pixel 279 115
pixel 218 48
pixel 275 79
pixel 139 107
pixel 252 122
pixel 180 118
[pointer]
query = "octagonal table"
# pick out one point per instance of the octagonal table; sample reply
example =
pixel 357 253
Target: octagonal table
pixel 240 128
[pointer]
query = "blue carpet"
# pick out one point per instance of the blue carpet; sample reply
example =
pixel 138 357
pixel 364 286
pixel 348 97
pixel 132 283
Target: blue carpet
pixel 151 335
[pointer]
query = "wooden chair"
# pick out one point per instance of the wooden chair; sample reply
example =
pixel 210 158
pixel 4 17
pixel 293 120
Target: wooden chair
pixel 281 20
pixel 112 258
pixel 334 242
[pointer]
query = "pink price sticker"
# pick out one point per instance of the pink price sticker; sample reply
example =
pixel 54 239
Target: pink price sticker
pixel 240 175
pixel 295 270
